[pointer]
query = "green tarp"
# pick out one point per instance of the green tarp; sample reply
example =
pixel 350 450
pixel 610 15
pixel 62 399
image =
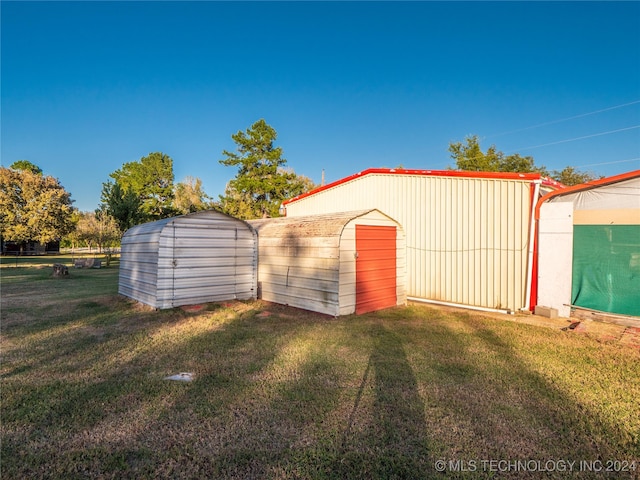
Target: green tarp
pixel 606 268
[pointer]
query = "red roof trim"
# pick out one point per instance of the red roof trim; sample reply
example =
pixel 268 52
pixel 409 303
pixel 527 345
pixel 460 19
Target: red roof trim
pixel 433 173
pixel 585 186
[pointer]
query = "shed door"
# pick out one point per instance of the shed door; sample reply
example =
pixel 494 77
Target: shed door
pixel 375 268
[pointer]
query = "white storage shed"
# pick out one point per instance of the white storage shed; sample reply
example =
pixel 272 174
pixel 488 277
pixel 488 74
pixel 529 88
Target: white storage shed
pixel 469 234
pixel 589 247
pixel 336 264
pixel 196 258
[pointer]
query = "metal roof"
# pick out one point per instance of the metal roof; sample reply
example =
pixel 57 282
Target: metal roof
pixel 585 186
pixel 323 225
pixel 432 173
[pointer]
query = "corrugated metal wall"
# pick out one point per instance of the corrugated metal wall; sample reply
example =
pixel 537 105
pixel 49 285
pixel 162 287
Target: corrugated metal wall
pixel 309 262
pixel 138 276
pixel 467 238
pixel 196 258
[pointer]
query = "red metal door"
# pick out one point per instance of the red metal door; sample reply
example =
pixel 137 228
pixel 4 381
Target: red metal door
pixel 375 268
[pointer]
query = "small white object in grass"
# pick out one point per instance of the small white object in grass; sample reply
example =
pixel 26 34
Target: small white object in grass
pixel 181 377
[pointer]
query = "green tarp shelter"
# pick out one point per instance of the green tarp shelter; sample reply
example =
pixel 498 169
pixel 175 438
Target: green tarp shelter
pixel 589 246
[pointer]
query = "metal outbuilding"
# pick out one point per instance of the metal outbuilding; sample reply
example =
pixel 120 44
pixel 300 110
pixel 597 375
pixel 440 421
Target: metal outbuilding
pixel 589 247
pixel 468 234
pixel 196 258
pixel 336 264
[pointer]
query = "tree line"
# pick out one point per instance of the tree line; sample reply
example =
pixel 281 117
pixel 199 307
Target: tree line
pixel 36 207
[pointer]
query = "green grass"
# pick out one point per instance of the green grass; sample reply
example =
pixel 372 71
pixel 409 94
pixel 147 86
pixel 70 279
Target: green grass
pixel 282 393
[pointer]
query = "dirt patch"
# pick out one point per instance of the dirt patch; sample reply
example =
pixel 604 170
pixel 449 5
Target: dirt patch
pixel 193 308
pixel 631 337
pixel 602 331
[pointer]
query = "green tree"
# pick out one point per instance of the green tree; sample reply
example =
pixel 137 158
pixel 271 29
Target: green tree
pixel 26 165
pixel 123 205
pixel 571 176
pixel 151 179
pixel 297 184
pixel 237 204
pixel 262 182
pixel 33 206
pixel 189 196
pixel 140 191
pixel 470 157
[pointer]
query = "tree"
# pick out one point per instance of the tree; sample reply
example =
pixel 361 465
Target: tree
pixel 470 157
pixel 97 228
pixel 297 184
pixel 140 191
pixel 151 179
pixel 72 239
pixel 26 165
pixel 262 182
pixel 33 206
pixel 123 205
pixel 571 176
pixel 189 196
pixel 237 204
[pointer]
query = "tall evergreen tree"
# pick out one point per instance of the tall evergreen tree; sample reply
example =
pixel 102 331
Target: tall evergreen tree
pixel 262 182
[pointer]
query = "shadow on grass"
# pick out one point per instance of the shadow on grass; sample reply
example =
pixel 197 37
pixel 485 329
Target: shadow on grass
pixel 506 410
pixel 115 415
pixel 394 442
pixel 289 395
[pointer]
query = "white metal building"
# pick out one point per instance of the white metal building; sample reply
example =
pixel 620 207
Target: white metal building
pixel 336 264
pixel 589 247
pixel 468 234
pixel 201 257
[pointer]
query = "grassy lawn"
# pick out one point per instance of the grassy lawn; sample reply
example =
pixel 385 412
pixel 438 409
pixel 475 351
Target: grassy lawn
pixel 282 393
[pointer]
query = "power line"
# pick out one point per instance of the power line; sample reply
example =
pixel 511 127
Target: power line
pixel 552 122
pixel 482 155
pixel 571 139
pixel 579 138
pixel 609 163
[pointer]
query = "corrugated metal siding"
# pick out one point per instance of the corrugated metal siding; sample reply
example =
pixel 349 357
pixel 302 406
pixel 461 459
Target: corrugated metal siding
pixel 309 262
pixel 467 238
pixel 138 273
pixel 196 258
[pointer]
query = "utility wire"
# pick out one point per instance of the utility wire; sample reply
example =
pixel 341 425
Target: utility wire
pixel 482 155
pixel 570 139
pixel 552 122
pixel 580 138
pixel 609 163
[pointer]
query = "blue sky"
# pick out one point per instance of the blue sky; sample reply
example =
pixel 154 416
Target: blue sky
pixel 89 86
